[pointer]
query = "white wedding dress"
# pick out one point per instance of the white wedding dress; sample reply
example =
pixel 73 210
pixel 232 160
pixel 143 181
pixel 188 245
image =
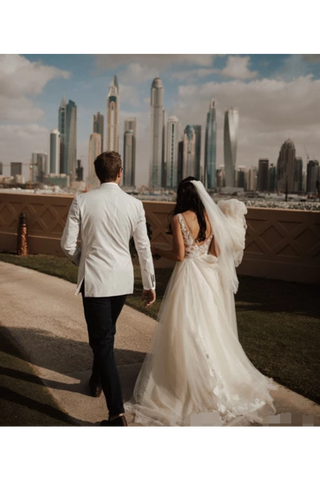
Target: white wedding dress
pixel 196 363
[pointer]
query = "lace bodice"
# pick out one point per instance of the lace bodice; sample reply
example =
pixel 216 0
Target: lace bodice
pixel 193 248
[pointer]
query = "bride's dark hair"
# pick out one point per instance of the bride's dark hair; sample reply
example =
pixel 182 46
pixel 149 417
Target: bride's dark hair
pixel 188 199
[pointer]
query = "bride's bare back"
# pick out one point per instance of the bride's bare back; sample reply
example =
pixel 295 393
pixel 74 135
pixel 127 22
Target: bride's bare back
pixel 191 220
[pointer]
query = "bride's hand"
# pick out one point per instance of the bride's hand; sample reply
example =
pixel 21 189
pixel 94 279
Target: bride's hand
pixel 155 254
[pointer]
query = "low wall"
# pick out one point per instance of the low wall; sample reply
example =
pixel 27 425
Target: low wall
pixel 280 244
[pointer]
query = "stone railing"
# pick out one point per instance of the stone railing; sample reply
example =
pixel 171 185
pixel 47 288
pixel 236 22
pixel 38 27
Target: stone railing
pixel 280 244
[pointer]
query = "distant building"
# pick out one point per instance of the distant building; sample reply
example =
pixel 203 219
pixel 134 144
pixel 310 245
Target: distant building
pixel 286 168
pixel 94 151
pixel 252 179
pixel 62 126
pixel 298 174
pixel 210 153
pixel 263 175
pixel 39 163
pixel 71 140
pixel 180 162
pixel 129 151
pixel 1 168
pixel 231 126
pixel 54 151
pixel 191 151
pixel 98 126
pixel 79 172
pixel 15 168
pixel 272 178
pixel 128 159
pixel 113 116
pixel 313 176
pixel 157 170
pixel 220 177
pixel 242 177
pixel 172 152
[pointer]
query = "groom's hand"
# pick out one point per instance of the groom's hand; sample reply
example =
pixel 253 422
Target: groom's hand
pixel 148 296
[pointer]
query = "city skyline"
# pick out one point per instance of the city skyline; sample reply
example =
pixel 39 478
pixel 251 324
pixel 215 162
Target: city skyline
pixel 277 96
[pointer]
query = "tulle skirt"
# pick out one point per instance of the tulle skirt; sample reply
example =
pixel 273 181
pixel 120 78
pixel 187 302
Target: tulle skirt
pixel 196 363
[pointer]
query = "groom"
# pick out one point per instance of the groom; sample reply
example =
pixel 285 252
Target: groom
pixel 106 219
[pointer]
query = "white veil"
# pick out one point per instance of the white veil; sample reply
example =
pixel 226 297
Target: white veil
pixel 229 226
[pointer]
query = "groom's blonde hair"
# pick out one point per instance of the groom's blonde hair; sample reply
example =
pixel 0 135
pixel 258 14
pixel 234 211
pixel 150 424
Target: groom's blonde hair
pixel 107 166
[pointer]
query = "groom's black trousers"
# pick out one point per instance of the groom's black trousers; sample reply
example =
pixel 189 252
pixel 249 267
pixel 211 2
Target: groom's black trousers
pixel 101 314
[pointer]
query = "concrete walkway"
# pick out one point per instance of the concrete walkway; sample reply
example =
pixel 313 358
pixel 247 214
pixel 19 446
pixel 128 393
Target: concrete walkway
pixel 46 319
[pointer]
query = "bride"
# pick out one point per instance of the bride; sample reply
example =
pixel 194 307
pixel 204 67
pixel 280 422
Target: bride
pixel 196 363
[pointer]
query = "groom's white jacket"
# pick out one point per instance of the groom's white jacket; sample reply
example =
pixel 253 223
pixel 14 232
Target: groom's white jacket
pixel 106 219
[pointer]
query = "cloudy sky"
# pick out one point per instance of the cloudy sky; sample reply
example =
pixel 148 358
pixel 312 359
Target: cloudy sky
pixel 278 97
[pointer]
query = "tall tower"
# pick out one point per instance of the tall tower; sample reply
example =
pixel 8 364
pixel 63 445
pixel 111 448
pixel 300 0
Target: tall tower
pixel 94 151
pixel 129 152
pixel 210 147
pixel 286 167
pixel 98 126
pixel 62 125
pixel 263 175
pixel 231 126
pixel 54 152
pixel 298 174
pixel 313 176
pixel 189 152
pixel 113 116
pixel 157 134
pixel 172 144
pixel 71 140
pixel 272 178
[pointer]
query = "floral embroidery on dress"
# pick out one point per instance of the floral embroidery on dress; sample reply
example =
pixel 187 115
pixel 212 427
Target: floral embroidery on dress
pixel 192 248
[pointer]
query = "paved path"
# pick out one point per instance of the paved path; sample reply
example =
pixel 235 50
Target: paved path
pixel 46 319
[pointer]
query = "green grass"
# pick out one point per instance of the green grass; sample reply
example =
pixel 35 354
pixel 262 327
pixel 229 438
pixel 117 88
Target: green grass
pixel 278 321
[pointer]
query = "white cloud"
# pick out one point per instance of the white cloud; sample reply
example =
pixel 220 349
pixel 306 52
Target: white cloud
pixel 135 73
pixel 19 76
pixel 237 67
pixel 158 61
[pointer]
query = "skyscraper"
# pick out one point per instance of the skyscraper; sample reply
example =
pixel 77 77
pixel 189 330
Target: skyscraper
pixel 98 126
pixel 313 175
pixel 191 151
pixel 15 168
pixel 71 140
pixel 62 125
pixel 242 177
pixel 231 126
pixel 272 178
pixel 129 152
pixel 172 146
pixel 157 134
pixel 220 177
pixel 38 164
pixel 263 175
pixel 128 167
pixel 79 171
pixel 197 170
pixel 298 174
pixel 113 116
pixel 54 151
pixel 286 168
pixel 252 179
pixel 210 147
pixel 94 151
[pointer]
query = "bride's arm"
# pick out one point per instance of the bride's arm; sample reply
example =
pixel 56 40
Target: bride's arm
pixel 177 252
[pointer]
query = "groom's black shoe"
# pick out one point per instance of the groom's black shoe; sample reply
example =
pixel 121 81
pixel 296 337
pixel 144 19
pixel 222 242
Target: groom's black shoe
pixel 95 389
pixel 117 422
